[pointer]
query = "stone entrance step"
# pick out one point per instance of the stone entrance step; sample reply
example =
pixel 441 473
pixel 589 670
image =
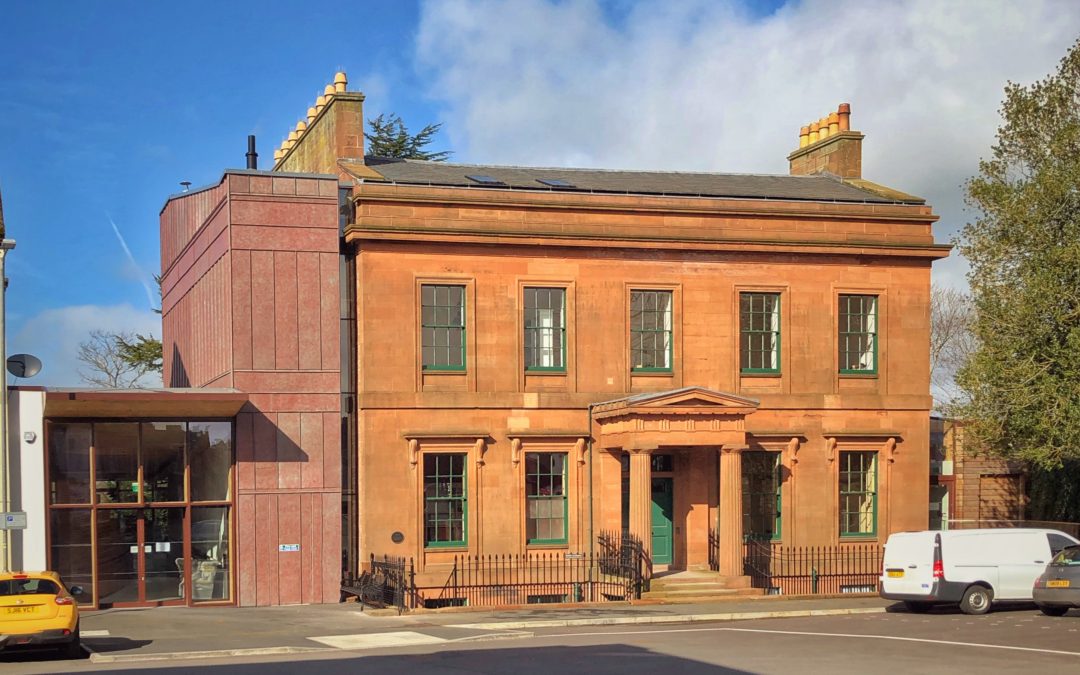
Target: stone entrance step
pixel 698 586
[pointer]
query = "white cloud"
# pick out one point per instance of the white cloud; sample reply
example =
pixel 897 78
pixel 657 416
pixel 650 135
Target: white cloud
pixel 701 85
pixel 54 335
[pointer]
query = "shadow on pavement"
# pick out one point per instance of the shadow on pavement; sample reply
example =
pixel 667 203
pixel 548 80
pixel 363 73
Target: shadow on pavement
pixel 35 655
pixel 900 608
pixel 103 645
pixel 612 659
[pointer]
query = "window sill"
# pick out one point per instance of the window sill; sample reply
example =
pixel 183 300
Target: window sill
pixel 859 538
pixel 559 372
pixel 859 376
pixel 772 374
pixel 449 548
pixel 546 545
pixel 652 373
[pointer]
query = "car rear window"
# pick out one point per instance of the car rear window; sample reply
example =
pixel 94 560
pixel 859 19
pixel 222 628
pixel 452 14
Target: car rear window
pixel 28 587
pixel 1069 556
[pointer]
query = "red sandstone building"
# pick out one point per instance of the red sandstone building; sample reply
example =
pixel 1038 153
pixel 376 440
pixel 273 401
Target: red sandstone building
pixel 444 359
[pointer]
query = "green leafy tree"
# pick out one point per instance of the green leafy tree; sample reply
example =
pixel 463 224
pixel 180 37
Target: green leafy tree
pixel 1021 383
pixel 141 351
pixel 390 138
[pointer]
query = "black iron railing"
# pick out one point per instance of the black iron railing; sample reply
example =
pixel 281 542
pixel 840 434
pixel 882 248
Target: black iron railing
pixel 811 570
pixel 384 582
pixel 617 571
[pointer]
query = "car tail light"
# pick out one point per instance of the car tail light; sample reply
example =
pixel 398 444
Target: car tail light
pixel 65 600
pixel 1040 581
pixel 939 569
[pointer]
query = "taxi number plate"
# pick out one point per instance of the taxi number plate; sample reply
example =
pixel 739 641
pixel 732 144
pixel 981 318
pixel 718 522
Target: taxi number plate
pixel 1058 583
pixel 19 610
pixel 896 573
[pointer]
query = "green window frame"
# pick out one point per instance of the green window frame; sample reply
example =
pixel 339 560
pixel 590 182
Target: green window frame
pixel 858 334
pixel 446 501
pixel 650 331
pixel 546 508
pixel 442 327
pixel 545 329
pixel 858 494
pixel 762 501
pixel 759 332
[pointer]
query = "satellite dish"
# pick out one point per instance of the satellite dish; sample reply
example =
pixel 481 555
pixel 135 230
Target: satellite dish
pixel 23 365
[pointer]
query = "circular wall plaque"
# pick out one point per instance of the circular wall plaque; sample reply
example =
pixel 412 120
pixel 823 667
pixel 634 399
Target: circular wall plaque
pixel 397 537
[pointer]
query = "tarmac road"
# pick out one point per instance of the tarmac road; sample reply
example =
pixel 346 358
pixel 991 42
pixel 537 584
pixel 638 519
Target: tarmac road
pixel 942 642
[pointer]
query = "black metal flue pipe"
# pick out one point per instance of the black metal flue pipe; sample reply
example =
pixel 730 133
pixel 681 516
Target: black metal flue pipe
pixel 252 156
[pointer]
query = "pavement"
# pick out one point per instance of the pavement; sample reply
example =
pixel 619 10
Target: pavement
pixel 169 633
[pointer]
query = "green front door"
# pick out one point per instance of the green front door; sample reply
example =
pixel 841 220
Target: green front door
pixel 662 510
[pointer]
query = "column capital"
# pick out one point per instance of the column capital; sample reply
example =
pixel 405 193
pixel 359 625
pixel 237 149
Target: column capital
pixel 734 448
pixel 642 451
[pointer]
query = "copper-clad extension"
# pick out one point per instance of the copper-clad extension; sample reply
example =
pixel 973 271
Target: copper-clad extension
pixel 804 137
pixel 340 81
pixel 813 137
pixel 844 113
pixel 834 123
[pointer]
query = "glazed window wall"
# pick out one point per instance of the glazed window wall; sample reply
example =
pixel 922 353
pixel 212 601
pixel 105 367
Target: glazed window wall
pixel 141 512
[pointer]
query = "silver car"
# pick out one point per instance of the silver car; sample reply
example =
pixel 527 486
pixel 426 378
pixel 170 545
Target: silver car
pixel 1058 588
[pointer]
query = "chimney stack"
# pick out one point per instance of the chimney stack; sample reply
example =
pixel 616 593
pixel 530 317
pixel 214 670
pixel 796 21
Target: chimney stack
pixel 829 146
pixel 252 156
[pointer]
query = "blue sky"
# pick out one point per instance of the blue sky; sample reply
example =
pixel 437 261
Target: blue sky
pixel 106 107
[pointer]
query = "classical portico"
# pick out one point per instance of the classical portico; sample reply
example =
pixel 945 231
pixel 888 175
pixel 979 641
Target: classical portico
pixel 707 429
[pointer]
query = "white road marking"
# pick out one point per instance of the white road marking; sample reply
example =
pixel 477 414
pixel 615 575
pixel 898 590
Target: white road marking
pixel 795 632
pixel 378 640
pixel 94 633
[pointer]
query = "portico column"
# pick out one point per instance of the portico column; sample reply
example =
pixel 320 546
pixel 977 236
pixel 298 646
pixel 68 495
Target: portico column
pixel 731 521
pixel 641 496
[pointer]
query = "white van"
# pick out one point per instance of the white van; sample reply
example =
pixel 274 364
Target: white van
pixel 974 568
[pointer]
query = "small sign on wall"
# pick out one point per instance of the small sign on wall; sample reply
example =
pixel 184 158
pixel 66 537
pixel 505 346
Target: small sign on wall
pixel 288 547
pixel 13 520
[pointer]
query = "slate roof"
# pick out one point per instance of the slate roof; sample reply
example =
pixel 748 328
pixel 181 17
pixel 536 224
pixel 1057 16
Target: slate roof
pixel 670 183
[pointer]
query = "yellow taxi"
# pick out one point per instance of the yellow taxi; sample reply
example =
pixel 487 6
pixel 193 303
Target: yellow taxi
pixel 37 610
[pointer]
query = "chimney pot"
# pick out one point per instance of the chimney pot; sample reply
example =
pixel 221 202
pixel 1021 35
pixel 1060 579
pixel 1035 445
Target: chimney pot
pixel 804 137
pixel 844 113
pixel 328 91
pixel 340 81
pixel 311 113
pixel 813 136
pixel 834 123
pixel 301 127
pixel 320 103
pixel 823 128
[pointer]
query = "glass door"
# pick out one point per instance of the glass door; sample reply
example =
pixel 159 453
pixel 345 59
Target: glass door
pixel 140 557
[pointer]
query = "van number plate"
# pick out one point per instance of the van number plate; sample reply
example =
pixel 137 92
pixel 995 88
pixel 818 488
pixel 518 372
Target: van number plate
pixel 895 573
pixel 1058 583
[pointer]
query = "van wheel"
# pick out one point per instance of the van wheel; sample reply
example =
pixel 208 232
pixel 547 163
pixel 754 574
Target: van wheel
pixel 917 607
pixel 1053 610
pixel 976 600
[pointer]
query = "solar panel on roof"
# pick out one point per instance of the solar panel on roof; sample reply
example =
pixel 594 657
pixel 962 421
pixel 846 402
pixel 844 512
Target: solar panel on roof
pixel 484 180
pixel 556 182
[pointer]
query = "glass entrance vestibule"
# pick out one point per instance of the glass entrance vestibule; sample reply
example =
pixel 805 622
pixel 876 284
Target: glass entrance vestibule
pixel 141 512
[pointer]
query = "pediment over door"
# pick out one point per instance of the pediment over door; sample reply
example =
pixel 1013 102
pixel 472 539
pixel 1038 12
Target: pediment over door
pixel 691 416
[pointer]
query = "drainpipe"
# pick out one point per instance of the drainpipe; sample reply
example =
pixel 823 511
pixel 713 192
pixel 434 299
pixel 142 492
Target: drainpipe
pixel 592 536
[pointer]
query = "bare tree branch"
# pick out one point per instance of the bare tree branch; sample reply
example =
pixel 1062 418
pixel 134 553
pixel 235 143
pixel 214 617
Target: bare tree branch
pixel 103 356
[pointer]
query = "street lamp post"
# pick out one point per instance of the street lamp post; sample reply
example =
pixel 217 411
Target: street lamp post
pixel 5 473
